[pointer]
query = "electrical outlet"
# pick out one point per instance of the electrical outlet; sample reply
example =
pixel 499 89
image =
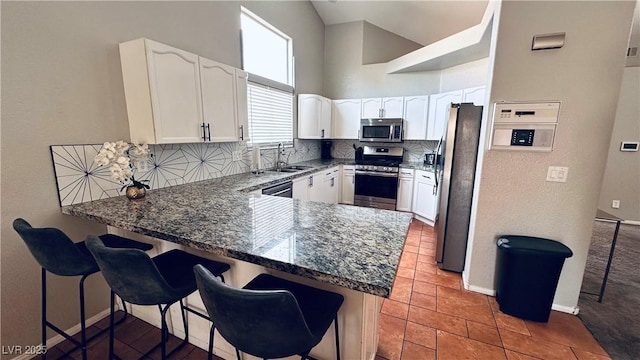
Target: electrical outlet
pixel 237 155
pixel 557 173
pixel 615 204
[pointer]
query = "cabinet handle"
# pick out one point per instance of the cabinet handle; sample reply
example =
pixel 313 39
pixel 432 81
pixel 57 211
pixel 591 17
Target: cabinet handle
pixel 379 112
pixel 353 180
pixel 333 181
pixel 310 181
pixel 204 134
pixel 434 189
pixel 209 131
pixel 322 133
pixel 241 132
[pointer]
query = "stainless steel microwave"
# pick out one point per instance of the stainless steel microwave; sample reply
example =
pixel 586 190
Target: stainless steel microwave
pixel 381 130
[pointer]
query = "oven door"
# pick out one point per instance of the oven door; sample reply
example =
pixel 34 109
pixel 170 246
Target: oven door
pixel 374 189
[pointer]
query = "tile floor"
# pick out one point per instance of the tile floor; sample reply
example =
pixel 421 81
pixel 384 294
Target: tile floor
pixel 429 315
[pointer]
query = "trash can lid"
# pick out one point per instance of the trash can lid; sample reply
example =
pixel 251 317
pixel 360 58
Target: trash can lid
pixel 518 244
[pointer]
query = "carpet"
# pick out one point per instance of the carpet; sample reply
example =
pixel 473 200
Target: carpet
pixel 615 322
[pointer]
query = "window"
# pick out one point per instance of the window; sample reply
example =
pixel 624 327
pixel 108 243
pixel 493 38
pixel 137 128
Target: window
pixel 267 57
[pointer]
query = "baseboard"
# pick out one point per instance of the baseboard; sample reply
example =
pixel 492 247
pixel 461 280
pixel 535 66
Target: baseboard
pixel 72 330
pixel 480 290
pixel 574 310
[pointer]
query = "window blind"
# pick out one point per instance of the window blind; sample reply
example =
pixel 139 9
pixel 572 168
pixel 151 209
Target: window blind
pixel 270 115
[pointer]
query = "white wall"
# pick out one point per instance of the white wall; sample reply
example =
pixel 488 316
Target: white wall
pixel 463 76
pixel 346 77
pixel 62 84
pixel 513 197
pixel 622 173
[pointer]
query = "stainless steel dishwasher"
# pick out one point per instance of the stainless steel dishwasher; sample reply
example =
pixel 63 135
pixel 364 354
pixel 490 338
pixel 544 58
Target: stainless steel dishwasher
pixel 284 189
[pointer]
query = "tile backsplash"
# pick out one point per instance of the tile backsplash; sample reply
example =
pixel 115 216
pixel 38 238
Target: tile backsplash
pixel 413 150
pixel 79 179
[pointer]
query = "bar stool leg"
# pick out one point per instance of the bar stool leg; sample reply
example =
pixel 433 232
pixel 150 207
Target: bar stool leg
pixel 210 353
pixel 163 339
pixel 335 321
pixel 111 327
pixel 83 325
pixel 43 292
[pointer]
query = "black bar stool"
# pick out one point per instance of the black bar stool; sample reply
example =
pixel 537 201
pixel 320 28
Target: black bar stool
pixel 58 254
pixel 164 280
pixel 270 317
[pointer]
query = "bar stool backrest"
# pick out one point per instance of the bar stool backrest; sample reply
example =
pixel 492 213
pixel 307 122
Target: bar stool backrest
pixel 54 250
pixel 131 274
pixel 263 323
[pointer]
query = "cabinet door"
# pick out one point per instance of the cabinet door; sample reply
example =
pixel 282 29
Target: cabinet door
pixel 474 95
pixel 301 188
pixel 309 113
pixel 316 187
pixel 241 105
pixel 423 197
pixel 324 123
pixel 371 108
pixel 348 185
pixel 439 105
pixel 174 84
pixel 346 118
pixel 219 100
pixel 416 113
pixel 405 190
pixel 392 107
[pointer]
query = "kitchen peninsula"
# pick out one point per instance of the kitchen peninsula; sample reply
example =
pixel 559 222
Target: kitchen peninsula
pixel 351 250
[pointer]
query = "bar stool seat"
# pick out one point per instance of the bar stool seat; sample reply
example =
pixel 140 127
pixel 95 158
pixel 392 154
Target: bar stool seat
pixel 58 254
pixel 270 317
pixel 163 280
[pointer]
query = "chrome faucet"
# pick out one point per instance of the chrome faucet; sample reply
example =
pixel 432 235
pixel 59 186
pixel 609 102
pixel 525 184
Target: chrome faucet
pixel 279 162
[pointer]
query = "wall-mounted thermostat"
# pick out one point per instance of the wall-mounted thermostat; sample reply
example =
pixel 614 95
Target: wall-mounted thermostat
pixel 629 146
pixel 524 126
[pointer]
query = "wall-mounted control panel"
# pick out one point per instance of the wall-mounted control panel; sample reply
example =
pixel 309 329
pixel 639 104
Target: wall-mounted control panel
pixel 524 126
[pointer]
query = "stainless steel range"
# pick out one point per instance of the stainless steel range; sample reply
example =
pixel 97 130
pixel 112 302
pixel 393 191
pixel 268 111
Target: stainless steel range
pixel 377 177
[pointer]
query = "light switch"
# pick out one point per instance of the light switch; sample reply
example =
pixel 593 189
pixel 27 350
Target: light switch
pixel 557 173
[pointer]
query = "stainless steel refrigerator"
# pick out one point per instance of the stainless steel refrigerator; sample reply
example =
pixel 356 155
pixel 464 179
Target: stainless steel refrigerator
pixel 457 164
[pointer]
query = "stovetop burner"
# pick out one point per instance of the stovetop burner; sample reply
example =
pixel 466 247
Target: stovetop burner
pixel 380 159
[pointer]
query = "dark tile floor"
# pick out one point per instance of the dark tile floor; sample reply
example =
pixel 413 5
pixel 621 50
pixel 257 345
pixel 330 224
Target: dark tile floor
pixel 134 337
pixel 429 315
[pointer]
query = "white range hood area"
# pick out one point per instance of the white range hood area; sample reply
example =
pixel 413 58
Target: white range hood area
pixel 468 45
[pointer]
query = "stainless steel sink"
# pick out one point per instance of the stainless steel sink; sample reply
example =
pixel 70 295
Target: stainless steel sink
pixel 294 168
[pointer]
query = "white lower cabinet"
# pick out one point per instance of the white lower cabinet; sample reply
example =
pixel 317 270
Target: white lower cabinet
pixel 424 195
pixel 405 190
pixel 331 186
pixel 348 184
pixel 309 187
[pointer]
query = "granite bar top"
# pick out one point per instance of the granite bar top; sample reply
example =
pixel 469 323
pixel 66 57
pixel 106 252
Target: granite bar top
pixel 417 165
pixel 354 247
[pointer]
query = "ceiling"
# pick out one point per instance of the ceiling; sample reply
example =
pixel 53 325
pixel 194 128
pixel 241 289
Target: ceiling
pixel 423 22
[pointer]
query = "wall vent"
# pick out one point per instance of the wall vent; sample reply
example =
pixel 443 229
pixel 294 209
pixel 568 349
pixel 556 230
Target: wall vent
pixel 632 52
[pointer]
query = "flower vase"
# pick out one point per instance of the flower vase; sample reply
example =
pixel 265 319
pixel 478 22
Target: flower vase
pixel 134 192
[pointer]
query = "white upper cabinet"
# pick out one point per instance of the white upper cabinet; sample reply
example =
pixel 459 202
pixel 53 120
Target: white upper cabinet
pixel 219 100
pixel 346 118
pixel 174 96
pixel 416 112
pixel 388 107
pixel 241 104
pixel 314 117
pixel 439 105
pixel 162 91
pixel 475 95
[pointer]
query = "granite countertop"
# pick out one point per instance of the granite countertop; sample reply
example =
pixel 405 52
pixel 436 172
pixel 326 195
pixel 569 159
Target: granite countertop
pixel 417 165
pixel 354 247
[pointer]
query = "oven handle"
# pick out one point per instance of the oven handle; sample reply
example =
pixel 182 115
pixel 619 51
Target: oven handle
pixel 373 173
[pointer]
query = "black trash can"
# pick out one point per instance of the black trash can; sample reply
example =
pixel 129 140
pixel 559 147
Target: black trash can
pixel 528 273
